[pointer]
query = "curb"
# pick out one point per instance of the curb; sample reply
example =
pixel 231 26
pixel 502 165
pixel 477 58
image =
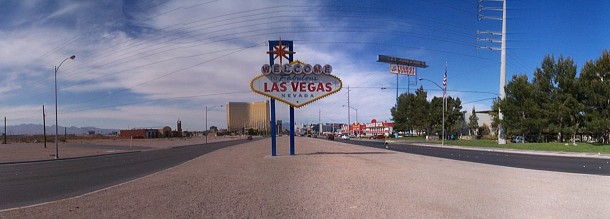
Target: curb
pixel 516 151
pixel 67 158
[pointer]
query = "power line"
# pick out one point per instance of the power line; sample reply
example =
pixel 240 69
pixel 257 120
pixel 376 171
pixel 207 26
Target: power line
pixel 170 73
pixel 234 18
pixel 95 29
pixel 403 88
pixel 344 30
pixel 149 64
pixel 259 30
pixel 158 100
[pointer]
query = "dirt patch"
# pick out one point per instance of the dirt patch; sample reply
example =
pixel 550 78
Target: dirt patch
pixel 17 152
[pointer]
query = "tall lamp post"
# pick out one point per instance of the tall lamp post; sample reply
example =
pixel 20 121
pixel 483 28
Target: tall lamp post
pixel 356 117
pixel 443 139
pixel 206 121
pixel 56 124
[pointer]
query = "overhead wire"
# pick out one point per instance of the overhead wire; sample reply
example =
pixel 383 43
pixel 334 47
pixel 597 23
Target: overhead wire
pixel 316 42
pixel 167 74
pixel 255 35
pixel 71 40
pixel 158 100
pixel 221 36
pixel 179 24
pixel 164 51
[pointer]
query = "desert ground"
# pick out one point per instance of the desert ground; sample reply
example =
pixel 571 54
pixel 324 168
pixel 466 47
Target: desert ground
pixel 19 152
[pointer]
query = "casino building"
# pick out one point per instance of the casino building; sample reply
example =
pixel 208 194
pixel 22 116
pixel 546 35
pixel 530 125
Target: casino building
pixel 143 133
pixel 379 128
pixel 242 116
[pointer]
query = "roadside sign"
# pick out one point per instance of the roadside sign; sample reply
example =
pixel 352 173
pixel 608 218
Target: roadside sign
pixel 402 69
pixel 296 84
pixel 401 61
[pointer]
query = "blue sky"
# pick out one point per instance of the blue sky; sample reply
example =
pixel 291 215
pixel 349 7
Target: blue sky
pixel 148 63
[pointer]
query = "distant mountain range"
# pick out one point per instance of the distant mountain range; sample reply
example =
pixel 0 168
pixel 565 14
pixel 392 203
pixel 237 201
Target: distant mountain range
pixel 36 129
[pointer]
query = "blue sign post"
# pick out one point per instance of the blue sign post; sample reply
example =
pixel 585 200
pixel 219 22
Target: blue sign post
pixel 291 130
pixel 273 139
pixel 294 83
pixel 276 48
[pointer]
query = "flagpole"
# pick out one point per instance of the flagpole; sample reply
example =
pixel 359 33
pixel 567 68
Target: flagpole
pixel 444 102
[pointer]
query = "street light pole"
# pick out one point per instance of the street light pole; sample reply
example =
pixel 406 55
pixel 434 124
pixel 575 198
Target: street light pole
pixel 349 125
pixel 206 121
pixel 56 124
pixel 350 107
pixel 443 139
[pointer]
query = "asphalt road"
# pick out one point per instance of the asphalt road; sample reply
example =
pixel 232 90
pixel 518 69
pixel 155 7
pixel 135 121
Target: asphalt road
pixel 23 184
pixel 30 183
pixel 583 165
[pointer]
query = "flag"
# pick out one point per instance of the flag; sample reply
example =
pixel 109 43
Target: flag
pixel 445 83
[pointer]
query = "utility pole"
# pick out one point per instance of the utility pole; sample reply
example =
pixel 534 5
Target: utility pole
pixel 319 121
pixel 206 124
pixel 397 92
pixel 349 125
pixel 65 134
pixel 44 127
pixel 4 141
pixel 481 8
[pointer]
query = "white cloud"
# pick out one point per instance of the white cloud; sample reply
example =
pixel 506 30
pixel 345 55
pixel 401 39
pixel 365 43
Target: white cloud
pixel 62 11
pixel 174 61
pixel 9 84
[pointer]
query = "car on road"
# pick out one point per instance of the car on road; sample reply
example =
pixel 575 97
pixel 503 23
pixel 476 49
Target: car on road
pixel 377 137
pixel 249 137
pixel 344 137
pixel 330 137
pixel 518 139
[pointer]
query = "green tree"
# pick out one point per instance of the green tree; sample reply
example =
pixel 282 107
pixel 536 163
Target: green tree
pixel 549 106
pixel 435 116
pixel 520 108
pixel 400 114
pixel 569 100
pixel 544 95
pixel 412 113
pixel 473 123
pixel 421 108
pixel 557 95
pixel 557 104
pixel 595 95
pixel 454 116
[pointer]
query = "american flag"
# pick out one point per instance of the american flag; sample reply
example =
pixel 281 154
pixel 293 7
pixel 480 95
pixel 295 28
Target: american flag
pixel 445 82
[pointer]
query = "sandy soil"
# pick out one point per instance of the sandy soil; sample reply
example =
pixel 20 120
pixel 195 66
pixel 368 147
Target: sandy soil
pixel 336 180
pixel 16 152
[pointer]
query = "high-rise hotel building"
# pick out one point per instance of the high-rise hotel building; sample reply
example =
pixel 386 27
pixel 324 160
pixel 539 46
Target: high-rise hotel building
pixel 243 116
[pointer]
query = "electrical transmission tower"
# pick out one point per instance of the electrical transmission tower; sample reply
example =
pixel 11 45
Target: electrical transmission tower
pixel 487 6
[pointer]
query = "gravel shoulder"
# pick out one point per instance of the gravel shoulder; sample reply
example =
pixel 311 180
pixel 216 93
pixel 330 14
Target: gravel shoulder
pixel 336 180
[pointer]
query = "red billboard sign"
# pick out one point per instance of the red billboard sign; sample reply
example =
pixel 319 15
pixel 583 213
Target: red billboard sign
pixel 402 69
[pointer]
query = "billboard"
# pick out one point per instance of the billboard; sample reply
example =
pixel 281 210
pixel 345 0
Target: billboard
pixel 401 61
pixel 296 84
pixel 402 69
